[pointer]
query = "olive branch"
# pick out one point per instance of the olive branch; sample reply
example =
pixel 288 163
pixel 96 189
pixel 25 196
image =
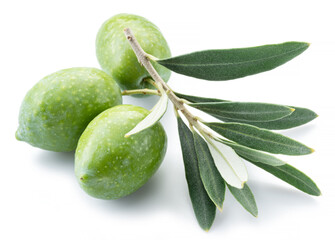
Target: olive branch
pixel 214 152
pixel 144 60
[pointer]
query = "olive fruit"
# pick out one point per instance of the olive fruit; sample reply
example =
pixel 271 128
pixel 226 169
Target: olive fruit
pixel 107 164
pixel 116 56
pixel 56 111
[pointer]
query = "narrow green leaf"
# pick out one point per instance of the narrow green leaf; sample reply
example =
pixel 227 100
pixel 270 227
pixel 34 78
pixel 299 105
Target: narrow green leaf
pixel 254 155
pixel 260 139
pixel 197 99
pixel 210 176
pixel 299 117
pixel 203 206
pixel 283 171
pixel 245 197
pixel 244 111
pixel 292 176
pixel 226 64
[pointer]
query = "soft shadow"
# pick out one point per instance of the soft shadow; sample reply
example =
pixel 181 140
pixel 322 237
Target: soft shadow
pixel 144 200
pixel 161 193
pixel 299 132
pixel 148 198
pixel 143 194
pixel 273 201
pixel 58 161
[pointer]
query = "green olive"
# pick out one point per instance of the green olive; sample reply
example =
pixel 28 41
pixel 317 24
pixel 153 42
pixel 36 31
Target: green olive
pixel 116 56
pixel 56 111
pixel 110 166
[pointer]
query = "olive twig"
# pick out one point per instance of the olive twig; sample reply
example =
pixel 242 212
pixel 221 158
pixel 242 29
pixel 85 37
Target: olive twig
pixel 178 103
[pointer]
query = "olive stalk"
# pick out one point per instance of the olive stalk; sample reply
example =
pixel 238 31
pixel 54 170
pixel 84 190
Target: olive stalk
pixel 144 60
pixel 145 91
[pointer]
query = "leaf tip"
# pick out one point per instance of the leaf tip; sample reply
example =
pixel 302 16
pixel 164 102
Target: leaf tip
pixel 312 150
pixel 317 192
pixel 127 135
pixel 305 43
pixel 206 226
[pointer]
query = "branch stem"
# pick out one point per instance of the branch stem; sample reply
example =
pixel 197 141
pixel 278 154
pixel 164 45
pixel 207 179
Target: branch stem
pixel 144 60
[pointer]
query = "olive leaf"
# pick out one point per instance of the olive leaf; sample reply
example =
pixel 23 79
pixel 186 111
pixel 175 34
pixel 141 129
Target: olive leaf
pixel 211 177
pixel 298 117
pixel 203 206
pixel 226 64
pixel 229 164
pixel 260 139
pixel 277 167
pixel 197 99
pixel 244 111
pixel 254 155
pixel 292 176
pixel 154 116
pixel 245 197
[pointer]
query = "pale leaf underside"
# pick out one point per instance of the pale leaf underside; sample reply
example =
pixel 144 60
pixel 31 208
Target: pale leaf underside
pixel 154 116
pixel 229 164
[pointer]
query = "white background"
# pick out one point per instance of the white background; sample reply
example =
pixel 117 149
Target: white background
pixel 40 196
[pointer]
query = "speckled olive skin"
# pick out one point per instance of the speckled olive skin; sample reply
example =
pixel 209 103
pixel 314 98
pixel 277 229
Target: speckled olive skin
pixel 110 166
pixel 116 56
pixel 56 111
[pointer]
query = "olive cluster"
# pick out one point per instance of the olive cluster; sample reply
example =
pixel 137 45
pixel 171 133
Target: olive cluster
pixel 81 109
